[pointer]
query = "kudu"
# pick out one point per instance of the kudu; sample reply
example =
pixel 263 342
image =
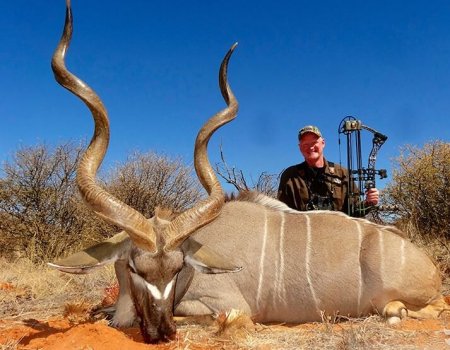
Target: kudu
pixel 296 265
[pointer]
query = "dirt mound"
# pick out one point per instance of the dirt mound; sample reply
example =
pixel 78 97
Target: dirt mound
pixel 61 334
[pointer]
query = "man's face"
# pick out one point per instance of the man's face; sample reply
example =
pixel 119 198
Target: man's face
pixel 311 146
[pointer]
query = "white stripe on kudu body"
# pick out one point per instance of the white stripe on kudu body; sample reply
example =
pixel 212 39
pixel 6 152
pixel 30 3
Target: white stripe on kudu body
pixel 382 254
pixel 308 262
pixel 279 287
pixel 276 271
pixel 360 289
pixel 280 283
pixel 261 261
pixel 402 254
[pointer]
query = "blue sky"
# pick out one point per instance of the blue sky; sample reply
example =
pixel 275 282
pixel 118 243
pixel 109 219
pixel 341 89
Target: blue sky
pixel 155 65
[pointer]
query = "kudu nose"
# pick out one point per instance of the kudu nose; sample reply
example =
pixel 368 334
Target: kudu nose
pixel 168 330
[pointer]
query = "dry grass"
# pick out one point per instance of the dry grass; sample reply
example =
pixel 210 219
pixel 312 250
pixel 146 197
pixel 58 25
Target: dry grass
pixel 27 290
pixel 355 334
pixel 10 345
pixel 438 249
pixel 77 312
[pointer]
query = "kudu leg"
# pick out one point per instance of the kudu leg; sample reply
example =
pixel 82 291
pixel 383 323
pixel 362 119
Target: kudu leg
pixel 204 320
pixel 432 310
pixel 202 299
pixel 394 311
pixel 125 314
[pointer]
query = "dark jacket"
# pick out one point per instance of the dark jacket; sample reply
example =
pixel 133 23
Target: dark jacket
pixel 305 188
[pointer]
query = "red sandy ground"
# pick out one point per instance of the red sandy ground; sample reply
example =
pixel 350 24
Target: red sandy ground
pixel 61 334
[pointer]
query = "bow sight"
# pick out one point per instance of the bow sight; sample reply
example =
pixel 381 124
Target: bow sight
pixel 364 177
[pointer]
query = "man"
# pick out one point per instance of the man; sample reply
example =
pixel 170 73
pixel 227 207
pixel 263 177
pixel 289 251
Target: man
pixel 317 184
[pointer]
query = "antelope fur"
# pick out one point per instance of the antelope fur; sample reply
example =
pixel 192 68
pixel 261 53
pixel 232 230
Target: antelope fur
pixel 299 265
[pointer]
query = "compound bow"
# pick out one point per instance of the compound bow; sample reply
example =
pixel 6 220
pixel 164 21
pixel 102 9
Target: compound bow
pixel 365 177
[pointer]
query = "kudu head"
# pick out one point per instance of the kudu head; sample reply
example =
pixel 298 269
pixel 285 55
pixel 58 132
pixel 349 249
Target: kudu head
pixel 158 249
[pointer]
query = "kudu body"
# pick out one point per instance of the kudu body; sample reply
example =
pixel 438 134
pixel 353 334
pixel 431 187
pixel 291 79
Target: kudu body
pixel 299 265
pixel 296 265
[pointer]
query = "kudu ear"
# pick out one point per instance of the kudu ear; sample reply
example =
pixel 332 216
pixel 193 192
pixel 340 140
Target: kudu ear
pixel 206 260
pixel 96 256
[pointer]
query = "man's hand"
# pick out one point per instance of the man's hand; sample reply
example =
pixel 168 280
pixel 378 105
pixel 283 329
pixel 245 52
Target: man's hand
pixel 372 196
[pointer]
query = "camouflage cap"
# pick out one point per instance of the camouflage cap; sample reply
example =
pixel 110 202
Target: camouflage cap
pixel 309 128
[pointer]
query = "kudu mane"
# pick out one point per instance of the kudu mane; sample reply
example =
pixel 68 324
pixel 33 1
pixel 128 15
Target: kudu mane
pixel 276 205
